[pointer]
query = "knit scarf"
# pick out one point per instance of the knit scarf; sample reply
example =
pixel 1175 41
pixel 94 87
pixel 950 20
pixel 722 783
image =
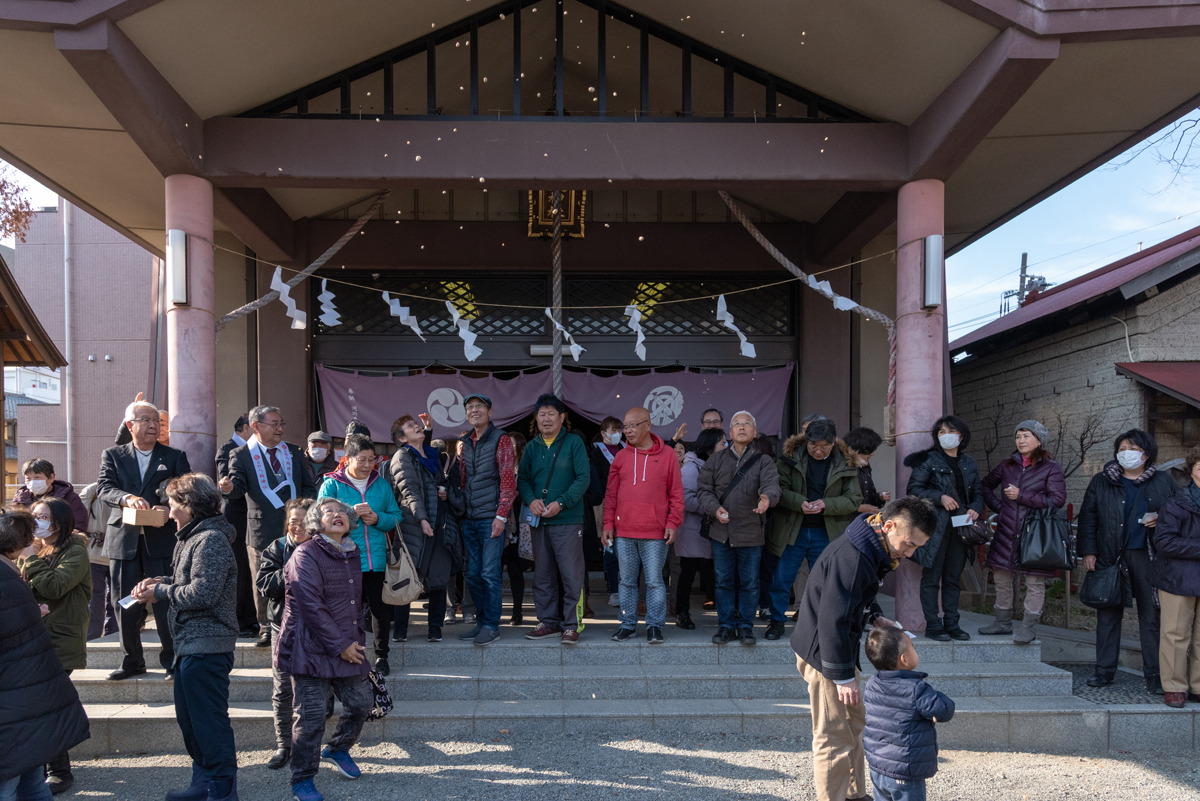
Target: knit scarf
pixel 876 523
pixel 1114 473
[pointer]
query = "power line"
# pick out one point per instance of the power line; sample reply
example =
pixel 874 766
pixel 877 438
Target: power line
pixel 1071 252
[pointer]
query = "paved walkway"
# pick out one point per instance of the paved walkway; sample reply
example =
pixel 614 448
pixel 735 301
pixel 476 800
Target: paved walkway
pixel 693 768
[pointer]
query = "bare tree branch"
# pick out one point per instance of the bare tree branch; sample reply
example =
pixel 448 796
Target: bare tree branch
pixel 1172 147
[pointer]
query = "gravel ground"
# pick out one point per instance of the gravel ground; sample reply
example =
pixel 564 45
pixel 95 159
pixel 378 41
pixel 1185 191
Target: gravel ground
pixel 691 767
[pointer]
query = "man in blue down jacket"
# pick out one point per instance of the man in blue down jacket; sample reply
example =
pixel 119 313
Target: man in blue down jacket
pixel 839 602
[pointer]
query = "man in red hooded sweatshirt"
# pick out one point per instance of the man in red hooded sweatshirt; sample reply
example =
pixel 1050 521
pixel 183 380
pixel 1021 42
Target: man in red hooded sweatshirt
pixel 643 506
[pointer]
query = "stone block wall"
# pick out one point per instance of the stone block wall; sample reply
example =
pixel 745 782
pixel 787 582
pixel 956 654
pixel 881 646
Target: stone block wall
pixel 1068 381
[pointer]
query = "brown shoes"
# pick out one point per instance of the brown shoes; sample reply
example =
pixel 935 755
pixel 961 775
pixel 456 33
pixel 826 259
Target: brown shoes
pixel 1174 700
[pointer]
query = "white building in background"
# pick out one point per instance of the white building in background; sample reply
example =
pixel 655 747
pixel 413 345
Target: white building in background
pixel 33 382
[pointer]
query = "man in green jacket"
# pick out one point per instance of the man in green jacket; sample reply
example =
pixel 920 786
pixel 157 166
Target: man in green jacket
pixel 820 496
pixel 556 497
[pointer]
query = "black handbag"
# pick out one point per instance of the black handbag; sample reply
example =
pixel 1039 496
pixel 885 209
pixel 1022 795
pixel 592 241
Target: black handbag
pixel 1046 541
pixel 1104 587
pixel 707 521
pixel 383 699
pixel 976 534
pixel 527 515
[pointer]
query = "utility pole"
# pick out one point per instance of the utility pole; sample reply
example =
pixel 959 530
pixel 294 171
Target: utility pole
pixel 1024 269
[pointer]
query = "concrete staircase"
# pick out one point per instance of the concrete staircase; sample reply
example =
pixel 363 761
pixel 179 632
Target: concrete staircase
pixel 1006 697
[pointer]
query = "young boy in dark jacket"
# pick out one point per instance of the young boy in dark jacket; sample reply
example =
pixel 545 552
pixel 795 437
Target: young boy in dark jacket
pixel 270 585
pixel 899 738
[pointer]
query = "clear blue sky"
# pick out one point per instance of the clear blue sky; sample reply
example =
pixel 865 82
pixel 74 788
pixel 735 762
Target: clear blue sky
pixel 1098 219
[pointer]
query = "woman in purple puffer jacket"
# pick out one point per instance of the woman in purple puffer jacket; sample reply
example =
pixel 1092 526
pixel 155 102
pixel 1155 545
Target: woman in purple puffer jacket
pixel 321 643
pixel 1029 479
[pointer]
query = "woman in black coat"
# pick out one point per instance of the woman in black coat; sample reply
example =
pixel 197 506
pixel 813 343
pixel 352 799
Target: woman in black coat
pixel 1175 573
pixel 417 472
pixel 949 479
pixel 40 713
pixel 1115 523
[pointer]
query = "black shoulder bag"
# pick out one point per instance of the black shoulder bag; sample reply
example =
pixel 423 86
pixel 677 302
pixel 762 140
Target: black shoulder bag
pixel 1106 587
pixel 707 521
pixel 526 515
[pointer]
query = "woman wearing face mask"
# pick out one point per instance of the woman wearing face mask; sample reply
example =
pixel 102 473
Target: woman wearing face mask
pixel 1118 516
pixel 606 447
pixel 1029 479
pixel 949 479
pixel 57 570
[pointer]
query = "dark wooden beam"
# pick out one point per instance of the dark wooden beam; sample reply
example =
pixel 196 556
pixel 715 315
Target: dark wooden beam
pixel 516 17
pixel 853 221
pixel 49 15
pixel 473 44
pixel 158 120
pixel 431 77
pixel 257 220
pixel 559 74
pixel 966 111
pixel 258 152
pixel 602 58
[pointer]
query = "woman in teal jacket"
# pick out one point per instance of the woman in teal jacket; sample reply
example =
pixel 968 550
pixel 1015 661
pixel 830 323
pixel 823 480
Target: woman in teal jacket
pixel 358 484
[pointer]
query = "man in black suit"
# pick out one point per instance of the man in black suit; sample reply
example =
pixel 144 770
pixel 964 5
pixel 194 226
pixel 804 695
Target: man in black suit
pixel 134 476
pixel 235 513
pixel 267 472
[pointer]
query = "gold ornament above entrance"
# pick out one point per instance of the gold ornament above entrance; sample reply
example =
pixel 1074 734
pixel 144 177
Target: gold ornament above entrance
pixel 541 212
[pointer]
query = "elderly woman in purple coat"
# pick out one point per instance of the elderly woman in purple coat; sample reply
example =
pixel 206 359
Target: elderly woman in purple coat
pixel 1029 479
pixel 321 644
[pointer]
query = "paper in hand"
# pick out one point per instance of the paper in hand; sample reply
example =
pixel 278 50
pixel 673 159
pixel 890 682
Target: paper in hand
pixel 127 601
pixel 960 520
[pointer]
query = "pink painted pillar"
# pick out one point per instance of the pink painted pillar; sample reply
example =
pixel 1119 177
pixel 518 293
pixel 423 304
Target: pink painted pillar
pixel 919 366
pixel 191 331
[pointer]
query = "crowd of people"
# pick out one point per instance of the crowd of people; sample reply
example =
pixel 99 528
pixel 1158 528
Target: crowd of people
pixel 291 545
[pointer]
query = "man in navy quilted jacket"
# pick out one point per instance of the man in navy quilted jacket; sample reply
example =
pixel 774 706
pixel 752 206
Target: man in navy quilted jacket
pixel 899 738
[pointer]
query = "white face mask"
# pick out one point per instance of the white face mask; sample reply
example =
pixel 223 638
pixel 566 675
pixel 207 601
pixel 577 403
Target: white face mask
pixel 613 438
pixel 43 529
pixel 319 454
pixel 948 441
pixel 1130 459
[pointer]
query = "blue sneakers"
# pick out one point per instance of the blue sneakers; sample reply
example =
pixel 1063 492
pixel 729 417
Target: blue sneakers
pixel 306 791
pixel 342 761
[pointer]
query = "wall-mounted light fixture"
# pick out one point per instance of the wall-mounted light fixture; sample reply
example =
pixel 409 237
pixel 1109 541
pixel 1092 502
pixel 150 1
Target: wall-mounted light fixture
pixel 931 274
pixel 177 267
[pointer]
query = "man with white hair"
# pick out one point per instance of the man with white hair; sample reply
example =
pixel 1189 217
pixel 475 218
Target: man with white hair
pixel 268 473
pixel 134 476
pixel 735 489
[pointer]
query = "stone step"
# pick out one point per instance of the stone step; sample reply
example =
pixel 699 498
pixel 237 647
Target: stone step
pixel 1031 724
pixel 595 649
pixel 599 682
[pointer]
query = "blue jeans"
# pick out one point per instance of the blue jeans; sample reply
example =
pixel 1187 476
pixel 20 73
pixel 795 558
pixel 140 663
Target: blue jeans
pixel 29 786
pixel 636 556
pixel 808 545
pixel 889 789
pixel 729 561
pixel 483 570
pixel 202 710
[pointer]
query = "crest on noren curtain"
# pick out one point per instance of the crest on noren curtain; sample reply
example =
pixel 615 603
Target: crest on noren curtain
pixel 541 212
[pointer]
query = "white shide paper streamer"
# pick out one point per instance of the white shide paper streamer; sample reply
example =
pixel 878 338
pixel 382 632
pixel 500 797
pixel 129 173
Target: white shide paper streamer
pixel 329 312
pixel 574 347
pixel 299 318
pixel 406 318
pixel 726 319
pixel 635 325
pixel 470 350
